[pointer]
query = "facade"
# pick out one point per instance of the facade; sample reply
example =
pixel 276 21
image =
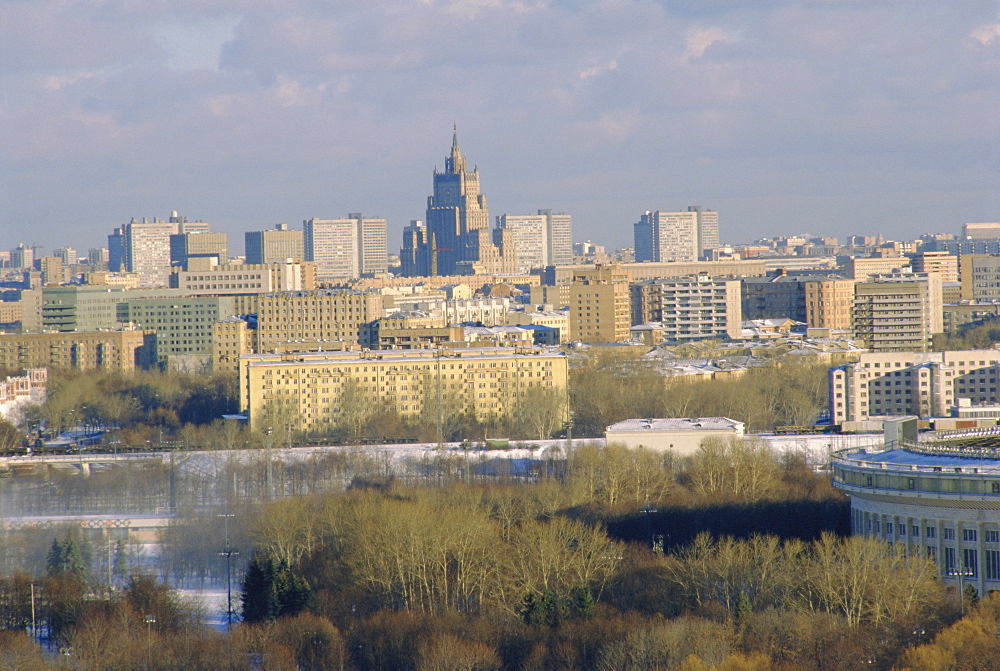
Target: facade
pixel 943 263
pixel 202 276
pixel 667 236
pixel 599 305
pixel 145 247
pixel 184 327
pixel 274 246
pixel 708 230
pixel 925 384
pixel 980 231
pixel 185 246
pixel 52 269
pixel 306 389
pixel 456 239
pixel 859 268
pixel 118 350
pixel 829 303
pixel 682 437
pixel 231 339
pixel 346 248
pixel 553 319
pixel 319 316
pixel 936 501
pixel 980 278
pixel 958 315
pixel 487 311
pixel 779 296
pixel 18 390
pixel 91 307
pixel 699 307
pixel 898 312
pixel 543 239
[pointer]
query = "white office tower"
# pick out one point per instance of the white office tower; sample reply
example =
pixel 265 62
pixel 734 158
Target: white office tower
pixel 346 248
pixel 145 246
pixel 543 239
pixel 667 236
pixel 708 230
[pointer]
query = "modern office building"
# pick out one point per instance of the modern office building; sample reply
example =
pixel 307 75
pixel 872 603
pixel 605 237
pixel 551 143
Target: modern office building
pixel 184 327
pixel 346 248
pixel 186 246
pixel 667 236
pixel 708 230
pixel 543 239
pixel 306 389
pixel 898 312
pixel 924 384
pixel 937 499
pixel 274 246
pixel 599 305
pixel 119 350
pixel 204 276
pixel 144 247
pixel 456 239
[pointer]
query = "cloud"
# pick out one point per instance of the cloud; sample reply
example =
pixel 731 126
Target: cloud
pixel 987 34
pixel 698 40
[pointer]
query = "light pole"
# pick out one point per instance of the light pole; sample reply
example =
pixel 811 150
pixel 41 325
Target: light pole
pixel 228 551
pixel 267 466
pixel 150 620
pixel 648 509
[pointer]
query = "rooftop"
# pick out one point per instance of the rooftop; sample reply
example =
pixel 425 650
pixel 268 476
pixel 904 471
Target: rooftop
pixel 677 424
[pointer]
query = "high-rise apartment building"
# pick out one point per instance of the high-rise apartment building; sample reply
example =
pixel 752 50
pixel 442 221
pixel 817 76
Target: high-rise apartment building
pixel 667 236
pixel 457 237
pixel 185 246
pixel 52 269
pixel 67 255
pixel 22 256
pixel 543 239
pixel 98 258
pixel 942 263
pixel 829 302
pixel 692 308
pixel 274 246
pixel 599 307
pixel 346 248
pixel 898 312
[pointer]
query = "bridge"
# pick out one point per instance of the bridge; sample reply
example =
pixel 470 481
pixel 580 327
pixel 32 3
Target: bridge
pixel 142 528
pixel 80 460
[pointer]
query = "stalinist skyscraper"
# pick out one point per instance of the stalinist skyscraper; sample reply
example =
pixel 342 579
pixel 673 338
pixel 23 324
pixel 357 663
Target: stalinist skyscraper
pixel 456 238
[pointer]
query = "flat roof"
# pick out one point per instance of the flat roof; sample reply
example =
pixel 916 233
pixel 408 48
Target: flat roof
pixel 676 424
pixel 907 458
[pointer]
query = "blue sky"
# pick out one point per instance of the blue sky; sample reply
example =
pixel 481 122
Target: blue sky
pixel 830 117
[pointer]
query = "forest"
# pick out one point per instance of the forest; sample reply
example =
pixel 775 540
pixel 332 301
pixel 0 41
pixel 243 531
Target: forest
pixel 621 559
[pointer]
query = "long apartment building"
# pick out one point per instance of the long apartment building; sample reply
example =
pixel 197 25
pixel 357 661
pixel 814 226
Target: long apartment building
pixel 320 315
pixel 306 389
pixel 203 276
pixel 119 350
pixel 926 384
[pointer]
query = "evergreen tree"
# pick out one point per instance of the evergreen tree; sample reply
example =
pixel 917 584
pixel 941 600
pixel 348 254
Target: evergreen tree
pixel 272 590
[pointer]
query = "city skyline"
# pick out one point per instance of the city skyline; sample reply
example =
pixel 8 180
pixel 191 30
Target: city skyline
pixel 828 118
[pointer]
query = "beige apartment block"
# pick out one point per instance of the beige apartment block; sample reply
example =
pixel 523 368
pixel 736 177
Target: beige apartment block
pixel 829 303
pixel 120 350
pixel 231 339
pixel 859 268
pixel 106 278
pixel 306 390
pixel 599 305
pixel 943 263
pixel 203 276
pixel 899 312
pixel 696 308
pixel 320 315
pixel 926 384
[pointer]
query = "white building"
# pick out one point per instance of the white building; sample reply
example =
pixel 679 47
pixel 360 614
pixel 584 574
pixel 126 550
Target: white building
pixel 543 239
pixel 145 246
pixel 16 391
pixel 683 437
pixel 667 236
pixel 346 248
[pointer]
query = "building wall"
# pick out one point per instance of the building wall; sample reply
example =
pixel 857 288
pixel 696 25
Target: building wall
pixel 898 312
pixel 322 315
pixel 310 386
pixel 697 308
pixel 599 306
pixel 274 246
pixel 184 325
pixel 120 350
pixel 829 303
pixel 246 278
pixel 667 236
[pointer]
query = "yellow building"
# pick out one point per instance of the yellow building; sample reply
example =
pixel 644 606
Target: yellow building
pixel 122 350
pixel 306 389
pixel 829 303
pixel 599 305
pixel 330 315
pixel 231 339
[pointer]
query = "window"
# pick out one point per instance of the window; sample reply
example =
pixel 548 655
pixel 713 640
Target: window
pixel 888 528
pixel 993 564
pixel 932 552
pixel 991 536
pixel 968 534
pixel 970 563
pixel 949 534
pixel 949 561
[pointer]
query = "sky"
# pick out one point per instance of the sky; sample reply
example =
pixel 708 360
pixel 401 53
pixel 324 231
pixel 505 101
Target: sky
pixel 829 117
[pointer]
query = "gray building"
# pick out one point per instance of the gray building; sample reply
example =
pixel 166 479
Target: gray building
pixel 184 327
pixel 274 246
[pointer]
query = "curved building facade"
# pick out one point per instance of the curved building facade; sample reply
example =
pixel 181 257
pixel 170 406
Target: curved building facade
pixel 941 501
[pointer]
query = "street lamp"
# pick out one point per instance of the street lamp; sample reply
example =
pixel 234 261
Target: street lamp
pixel 648 510
pixel 150 620
pixel 228 552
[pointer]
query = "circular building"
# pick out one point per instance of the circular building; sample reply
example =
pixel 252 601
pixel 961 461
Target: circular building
pixel 941 499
